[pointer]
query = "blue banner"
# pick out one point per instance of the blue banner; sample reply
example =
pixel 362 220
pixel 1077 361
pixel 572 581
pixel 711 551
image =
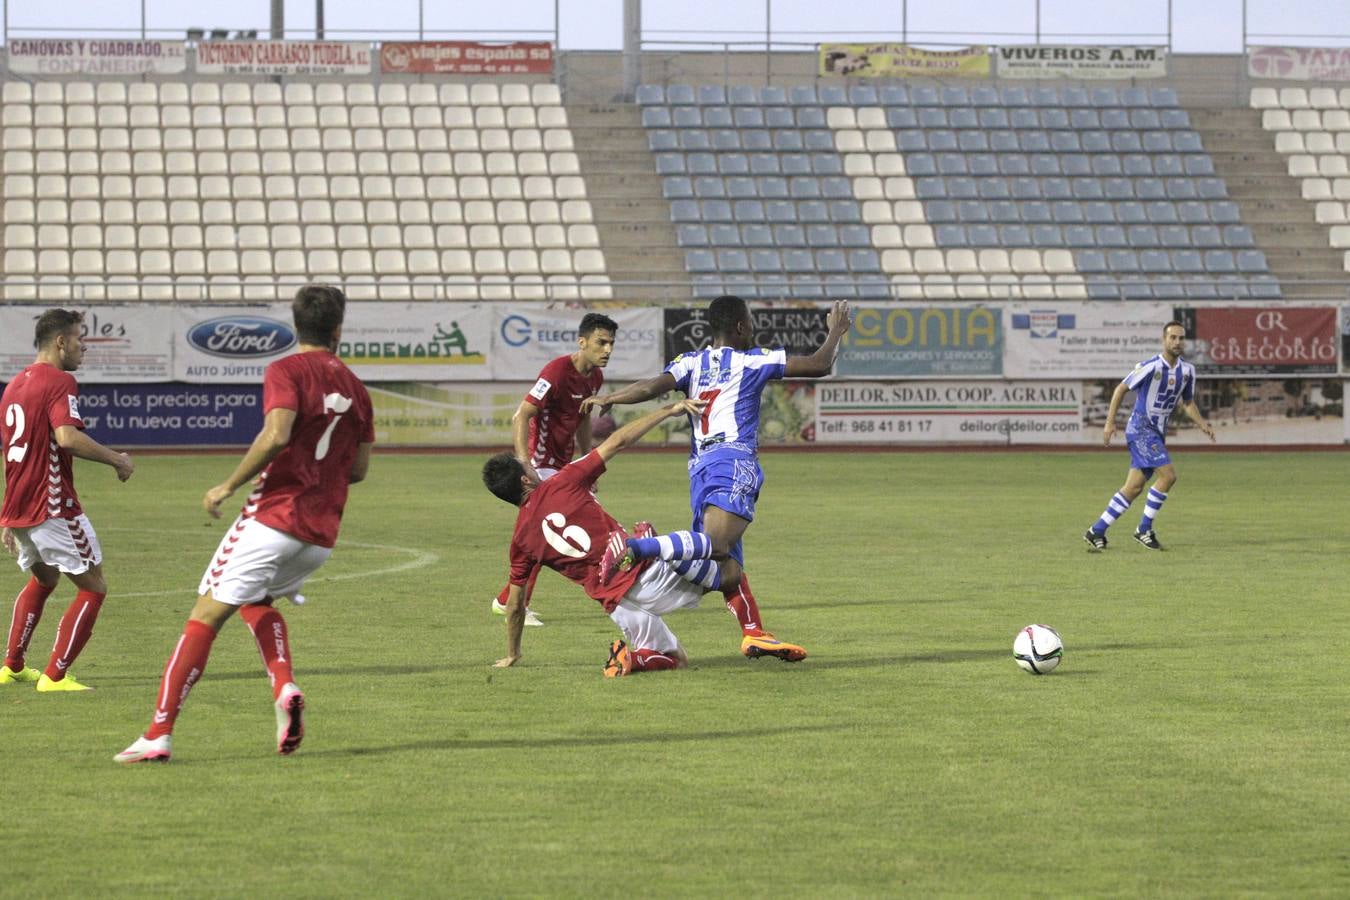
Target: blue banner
pixel 172 415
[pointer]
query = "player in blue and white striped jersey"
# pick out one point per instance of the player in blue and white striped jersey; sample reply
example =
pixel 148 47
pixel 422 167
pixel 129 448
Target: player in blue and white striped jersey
pixel 724 473
pixel 1160 385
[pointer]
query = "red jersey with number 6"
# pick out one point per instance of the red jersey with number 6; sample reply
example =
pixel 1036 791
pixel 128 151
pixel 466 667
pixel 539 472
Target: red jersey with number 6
pixel 304 489
pixel 558 393
pixel 39 480
pixel 562 526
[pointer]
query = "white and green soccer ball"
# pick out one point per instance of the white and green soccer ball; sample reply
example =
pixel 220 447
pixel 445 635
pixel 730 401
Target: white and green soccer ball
pixel 1038 649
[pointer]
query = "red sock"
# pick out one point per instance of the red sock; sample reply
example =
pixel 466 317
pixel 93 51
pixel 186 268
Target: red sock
pixel 742 605
pixel 653 661
pixel 73 632
pixel 269 630
pixel 27 612
pixel 185 666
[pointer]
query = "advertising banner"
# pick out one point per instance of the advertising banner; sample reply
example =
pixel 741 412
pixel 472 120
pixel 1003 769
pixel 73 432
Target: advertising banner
pixel 922 342
pixel 1015 412
pixel 417 341
pixel 899 60
pixel 1257 340
pixel 800 330
pixel 122 343
pixel 467 58
pixel 96 56
pixel 1080 61
pixel 229 344
pixel 283 58
pixel 1081 340
pixel 171 415
pixel 1299 63
pixel 1345 339
pixel 526 336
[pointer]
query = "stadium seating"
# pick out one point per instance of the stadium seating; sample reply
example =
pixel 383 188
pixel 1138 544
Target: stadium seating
pixel 1311 128
pixel 223 190
pixel 938 176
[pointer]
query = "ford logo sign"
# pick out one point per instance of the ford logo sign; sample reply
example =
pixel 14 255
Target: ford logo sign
pixel 241 337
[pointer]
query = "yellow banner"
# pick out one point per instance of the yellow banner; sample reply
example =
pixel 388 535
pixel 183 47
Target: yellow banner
pixel 901 60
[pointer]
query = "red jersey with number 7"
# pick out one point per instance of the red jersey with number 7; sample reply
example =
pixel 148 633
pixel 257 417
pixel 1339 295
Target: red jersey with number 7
pixel 39 480
pixel 304 489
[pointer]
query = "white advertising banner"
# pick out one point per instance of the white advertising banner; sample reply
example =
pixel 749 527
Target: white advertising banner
pixel 1013 412
pixel 1081 340
pixel 1299 63
pixel 229 344
pixel 1081 61
pixel 96 56
pixel 283 58
pixel 418 341
pixel 123 344
pixel 525 336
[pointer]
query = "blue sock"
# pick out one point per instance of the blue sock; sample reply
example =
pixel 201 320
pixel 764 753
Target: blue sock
pixel 1151 508
pixel 675 545
pixel 1117 506
pixel 700 571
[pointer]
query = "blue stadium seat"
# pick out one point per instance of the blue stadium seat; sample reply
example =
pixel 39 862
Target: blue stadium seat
pixel 712 95
pixel 663 139
pixel 972 141
pixel 743 95
pixel 822 236
pixel 1187 142
pixel 802 95
pixel 688 117
pixel 783 211
pixel 954 95
pixel 942 140
pixel 1026 188
pixel 1107 166
pixel 798 261
pixel 963 117
pixel 1075 164
pixel 701 164
pixel 939 211
pixel 855 236
pixel 1067 212
pixel 804 188
pixel 873 286
pixel 650 95
pixel 1004 142
pixel 764 164
pixel 1047 236
pixel 1168 165
pixel 732 260
pixel 1045 165
pixel 827 164
pixel 786 141
pixel 762 261
pixel 1044 96
pixel 807 287
pixel 747 117
pixel 773 95
pixel 771 188
pixel 901 117
pixel 1102 287
pixel 911 141
pixel 1097 212
pixel 1095 141
pixel 1015 235
pixel 677 188
pixel 810 211
pixel 1055 119
pixel 1005 211
pixel 1176 119
pixel 1118 188
pixel 1198 165
pixel 670 164
pixel 1157 142
pixel 1166 288
pixel 831 261
pixel 1188 262
pixel 1193 212
pixel 707 287
pixel 1200 289
pixel 932 118
pixel 680 95
pixel 982 164
pixel 743 286
pixel 691 235
pixel 985 95
pixel 748 211
pixel 757 234
pixel 950 235
pixel 1234 287
pixel 1224 212
pixel 818 140
pixel 923 95
pixel 845 212
pixel 1164 96
pixel 795 164
pixel 706 186
pixel 1087 189
pixel 1154 261
pixel 832 95
pixel 836 187
pixel 894 95
pixel 715 210
pixel 1025 118
pixel 1126 142
pixel 1145 119
pixel 788 235
pixel 1105 96
pixel 1136 287
pixel 1174 237
pixel 994 188
pixel 693 140
pixel 1065 142
pixel 733 164
pixel 1150 189
pixel 1015 96
pixel 1206 236
pixel 1181 189
pixel 1162 212
pixel 1033 141
pixel 863 95
pixel 724 235
pixel 1135 96
pixel 919 165
pixel 1265 287
pixel 741 188
pixel 993 118
pixel 1111 236
pixel 1122 261
pixel 952 164
pixel 1137 165
pixel 779 117
pixel 656 117
pixel 1115 119
pixel 982 236
pixel 1238 237
pixel 963 188
pixel 1143 236
pixel 1076 96
pixel 969 211
pixel 1056 189
pixel 1090 261
pixel 757 139
pixel 865 261
pixel 1131 213
pixel 700 261
pixel 1014 164
pixel 811 117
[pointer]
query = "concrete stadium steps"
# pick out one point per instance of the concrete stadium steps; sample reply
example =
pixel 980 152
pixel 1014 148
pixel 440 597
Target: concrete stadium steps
pixel 1271 200
pixel 625 193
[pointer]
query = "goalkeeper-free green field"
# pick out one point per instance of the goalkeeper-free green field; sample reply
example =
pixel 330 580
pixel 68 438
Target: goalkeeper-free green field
pixel 1192 742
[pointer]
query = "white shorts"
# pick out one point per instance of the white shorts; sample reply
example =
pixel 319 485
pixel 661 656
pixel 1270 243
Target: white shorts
pixel 254 561
pixel 68 544
pixel 658 591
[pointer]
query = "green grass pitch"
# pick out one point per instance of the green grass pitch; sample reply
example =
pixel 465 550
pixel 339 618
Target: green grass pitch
pixel 1193 742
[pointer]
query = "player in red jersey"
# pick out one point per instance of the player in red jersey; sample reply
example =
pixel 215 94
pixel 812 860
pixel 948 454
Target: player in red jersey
pixel 40 431
pixel 317 432
pixel 563 527
pixel 549 426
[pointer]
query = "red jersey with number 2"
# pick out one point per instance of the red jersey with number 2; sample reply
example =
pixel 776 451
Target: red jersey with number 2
pixel 562 526
pixel 304 489
pixel 39 480
pixel 558 393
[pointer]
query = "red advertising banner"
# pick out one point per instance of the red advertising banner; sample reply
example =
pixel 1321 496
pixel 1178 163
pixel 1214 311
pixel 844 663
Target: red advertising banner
pixel 1261 340
pixel 467 58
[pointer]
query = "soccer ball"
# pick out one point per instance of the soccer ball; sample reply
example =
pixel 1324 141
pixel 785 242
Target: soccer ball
pixel 1038 649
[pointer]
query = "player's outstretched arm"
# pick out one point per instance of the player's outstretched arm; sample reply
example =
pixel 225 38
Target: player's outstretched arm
pixel 70 438
pixel 1199 419
pixel 520 432
pixel 631 433
pixel 275 435
pixel 1109 429
pixel 638 392
pixel 515 626
pixel 821 363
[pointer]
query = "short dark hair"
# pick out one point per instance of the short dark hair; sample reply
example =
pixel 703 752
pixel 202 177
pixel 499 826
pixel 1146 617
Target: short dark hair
pixel 53 323
pixel 724 313
pixel 318 310
pixel 1174 324
pixel 592 321
pixel 502 474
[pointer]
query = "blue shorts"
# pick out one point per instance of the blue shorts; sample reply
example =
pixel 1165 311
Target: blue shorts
pixel 1148 451
pixel 726 481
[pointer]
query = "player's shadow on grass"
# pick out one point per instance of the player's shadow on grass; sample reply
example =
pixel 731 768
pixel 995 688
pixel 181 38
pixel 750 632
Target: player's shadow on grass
pixel 598 740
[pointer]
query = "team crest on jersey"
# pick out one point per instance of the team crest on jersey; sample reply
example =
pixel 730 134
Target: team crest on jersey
pixel 540 389
pixel 74 403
